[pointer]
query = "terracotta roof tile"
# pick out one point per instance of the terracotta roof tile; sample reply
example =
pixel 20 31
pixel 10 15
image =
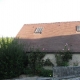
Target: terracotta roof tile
pixel 53 36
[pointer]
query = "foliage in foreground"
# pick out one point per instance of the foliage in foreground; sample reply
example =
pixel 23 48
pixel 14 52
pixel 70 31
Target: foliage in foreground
pixel 14 62
pixel 35 61
pixel 45 73
pixel 12 58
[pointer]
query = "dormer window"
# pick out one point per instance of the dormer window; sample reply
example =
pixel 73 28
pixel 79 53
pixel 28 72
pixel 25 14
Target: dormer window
pixel 38 30
pixel 78 28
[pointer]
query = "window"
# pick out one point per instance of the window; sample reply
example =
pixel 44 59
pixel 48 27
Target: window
pixel 78 28
pixel 38 30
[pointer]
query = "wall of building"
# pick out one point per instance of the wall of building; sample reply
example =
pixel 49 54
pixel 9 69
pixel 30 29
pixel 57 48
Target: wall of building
pixel 74 62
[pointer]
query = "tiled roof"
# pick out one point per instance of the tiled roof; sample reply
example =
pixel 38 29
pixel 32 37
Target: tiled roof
pixel 54 36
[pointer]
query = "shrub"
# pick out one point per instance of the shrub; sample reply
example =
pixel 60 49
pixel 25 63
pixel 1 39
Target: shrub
pixel 45 73
pixel 35 61
pixel 63 57
pixel 12 58
pixel 47 62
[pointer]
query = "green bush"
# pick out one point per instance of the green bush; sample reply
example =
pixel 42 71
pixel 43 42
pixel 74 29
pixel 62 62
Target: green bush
pixel 47 62
pixel 63 57
pixel 35 61
pixel 12 58
pixel 44 73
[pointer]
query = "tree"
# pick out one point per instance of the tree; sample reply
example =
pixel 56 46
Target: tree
pixel 12 58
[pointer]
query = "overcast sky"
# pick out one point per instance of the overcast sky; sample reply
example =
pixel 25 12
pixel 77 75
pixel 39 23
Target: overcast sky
pixel 15 13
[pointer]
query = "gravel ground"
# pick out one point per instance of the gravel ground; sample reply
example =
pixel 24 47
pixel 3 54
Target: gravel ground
pixel 27 78
pixel 32 78
pixel 41 78
pixel 24 77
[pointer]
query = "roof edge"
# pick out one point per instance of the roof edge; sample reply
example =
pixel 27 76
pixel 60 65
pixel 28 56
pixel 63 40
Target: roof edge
pixel 50 22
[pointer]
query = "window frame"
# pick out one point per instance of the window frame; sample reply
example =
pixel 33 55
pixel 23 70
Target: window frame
pixel 78 28
pixel 38 30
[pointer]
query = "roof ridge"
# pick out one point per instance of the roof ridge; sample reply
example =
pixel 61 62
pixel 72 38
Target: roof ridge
pixel 51 22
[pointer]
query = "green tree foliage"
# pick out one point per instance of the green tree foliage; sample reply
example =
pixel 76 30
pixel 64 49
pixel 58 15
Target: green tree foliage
pixel 35 61
pixel 12 58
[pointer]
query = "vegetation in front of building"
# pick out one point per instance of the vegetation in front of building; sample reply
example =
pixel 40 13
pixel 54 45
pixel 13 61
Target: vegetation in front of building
pixel 12 58
pixel 63 57
pixel 14 61
pixel 47 62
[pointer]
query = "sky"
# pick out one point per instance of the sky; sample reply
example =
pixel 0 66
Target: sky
pixel 15 13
